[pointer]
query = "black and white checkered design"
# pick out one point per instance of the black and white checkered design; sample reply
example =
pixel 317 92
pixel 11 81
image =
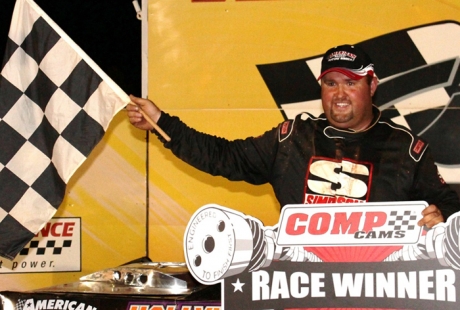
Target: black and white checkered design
pixel 21 304
pixel 402 220
pixel 55 105
pixel 48 247
pixel 419 87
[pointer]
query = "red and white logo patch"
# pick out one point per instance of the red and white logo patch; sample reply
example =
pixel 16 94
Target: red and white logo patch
pixel 346 225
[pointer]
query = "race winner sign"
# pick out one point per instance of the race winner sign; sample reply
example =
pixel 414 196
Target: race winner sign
pixel 365 255
pixel 396 285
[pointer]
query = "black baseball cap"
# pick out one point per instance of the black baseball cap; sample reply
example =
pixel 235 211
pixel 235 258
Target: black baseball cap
pixel 349 60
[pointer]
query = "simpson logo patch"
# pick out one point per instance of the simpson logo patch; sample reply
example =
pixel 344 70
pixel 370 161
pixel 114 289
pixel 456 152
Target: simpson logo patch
pixel 329 178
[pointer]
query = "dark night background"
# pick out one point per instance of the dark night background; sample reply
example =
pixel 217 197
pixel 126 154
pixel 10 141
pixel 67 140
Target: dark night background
pixel 107 30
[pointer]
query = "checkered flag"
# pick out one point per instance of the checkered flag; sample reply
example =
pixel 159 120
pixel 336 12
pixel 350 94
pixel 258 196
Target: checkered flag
pixel 55 105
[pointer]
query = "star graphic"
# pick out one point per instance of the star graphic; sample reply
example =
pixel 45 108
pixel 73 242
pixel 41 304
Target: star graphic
pixel 238 286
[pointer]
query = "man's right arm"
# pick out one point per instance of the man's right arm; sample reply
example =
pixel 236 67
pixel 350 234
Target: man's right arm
pixel 249 159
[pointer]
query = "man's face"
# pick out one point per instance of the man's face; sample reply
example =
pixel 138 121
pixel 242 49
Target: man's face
pixel 347 103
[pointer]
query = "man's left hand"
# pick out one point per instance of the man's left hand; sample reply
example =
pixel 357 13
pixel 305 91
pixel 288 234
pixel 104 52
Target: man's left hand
pixel 431 216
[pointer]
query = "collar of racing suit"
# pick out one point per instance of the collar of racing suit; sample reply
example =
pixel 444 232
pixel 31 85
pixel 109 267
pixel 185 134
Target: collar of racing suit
pixel 333 132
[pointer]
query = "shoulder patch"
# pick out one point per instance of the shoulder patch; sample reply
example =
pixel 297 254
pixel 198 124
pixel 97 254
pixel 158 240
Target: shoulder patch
pixel 285 129
pixel 418 147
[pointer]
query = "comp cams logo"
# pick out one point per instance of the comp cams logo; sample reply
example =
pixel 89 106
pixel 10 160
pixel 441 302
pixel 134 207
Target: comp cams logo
pixel 370 224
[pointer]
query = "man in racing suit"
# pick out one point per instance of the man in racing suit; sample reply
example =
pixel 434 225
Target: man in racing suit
pixel 348 154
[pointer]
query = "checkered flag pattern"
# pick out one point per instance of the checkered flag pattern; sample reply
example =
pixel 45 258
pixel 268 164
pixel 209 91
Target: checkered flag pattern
pixel 48 247
pixel 402 220
pixel 21 304
pixel 55 106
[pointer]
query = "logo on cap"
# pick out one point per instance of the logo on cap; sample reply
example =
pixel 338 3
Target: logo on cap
pixel 341 55
pixel 349 60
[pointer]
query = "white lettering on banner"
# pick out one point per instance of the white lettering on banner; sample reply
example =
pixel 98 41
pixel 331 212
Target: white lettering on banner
pixel 342 223
pixel 282 287
pixel 298 279
pixel 334 173
pixel 397 285
pixel 52 304
pixel 436 285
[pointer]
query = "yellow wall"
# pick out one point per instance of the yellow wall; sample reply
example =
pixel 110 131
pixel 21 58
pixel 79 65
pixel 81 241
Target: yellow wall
pixel 202 68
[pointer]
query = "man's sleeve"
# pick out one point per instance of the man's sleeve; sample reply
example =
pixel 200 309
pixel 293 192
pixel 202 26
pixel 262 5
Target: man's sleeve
pixel 249 159
pixel 431 187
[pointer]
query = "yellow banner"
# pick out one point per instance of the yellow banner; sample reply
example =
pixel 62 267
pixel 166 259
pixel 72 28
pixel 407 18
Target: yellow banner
pixel 203 67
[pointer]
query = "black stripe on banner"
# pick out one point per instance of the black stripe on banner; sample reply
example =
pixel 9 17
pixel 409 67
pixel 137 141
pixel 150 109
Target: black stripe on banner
pixel 393 53
pixel 413 82
pixel 290 81
pixel 442 132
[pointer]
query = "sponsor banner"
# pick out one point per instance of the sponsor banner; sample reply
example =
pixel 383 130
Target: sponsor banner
pixel 75 301
pixel 156 305
pixel 364 255
pixel 53 303
pixel 38 301
pixel 395 285
pixel 57 247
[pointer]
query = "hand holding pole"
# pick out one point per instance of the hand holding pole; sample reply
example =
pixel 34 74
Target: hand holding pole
pixel 151 122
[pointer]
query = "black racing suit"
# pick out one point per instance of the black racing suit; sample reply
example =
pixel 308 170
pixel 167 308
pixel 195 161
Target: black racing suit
pixel 308 161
